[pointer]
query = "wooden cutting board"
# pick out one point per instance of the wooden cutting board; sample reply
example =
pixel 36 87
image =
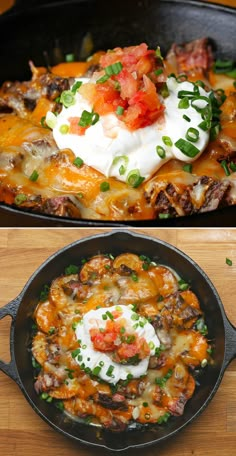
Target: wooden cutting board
pixel 24 433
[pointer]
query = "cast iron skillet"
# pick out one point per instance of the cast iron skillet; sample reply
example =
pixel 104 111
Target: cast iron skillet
pixel 57 28
pixel 221 332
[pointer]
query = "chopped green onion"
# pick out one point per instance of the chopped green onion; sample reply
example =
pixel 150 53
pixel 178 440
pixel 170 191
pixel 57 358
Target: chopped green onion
pixel 20 198
pixel 135 316
pixel 172 75
pixel 188 168
pixel 104 186
pixel 186 94
pixel 183 103
pixel 109 370
pixel 123 167
pixel 76 86
pixel 164 418
pixel 117 86
pixel 102 79
pixel 101 363
pixel 134 277
pixel 60 405
pixel 167 141
pixel 43 122
pixel 161 381
pixel 64 129
pixel 109 314
pixel 113 69
pixel 197 107
pixel 163 216
pixel 88 118
pixel 228 261
pixel 44 293
pixel 164 90
pixel 120 110
pixel 183 285
pixel 221 93
pixel 158 53
pixel 200 83
pixel 186 118
pixel 44 396
pixel 205 125
pixel 223 66
pixel 35 364
pixel 78 162
pixel 122 170
pixel 130 339
pixel 75 352
pixel 70 58
pixel 51 120
pixel 34 176
pixel 158 72
pixel 51 330
pixel 67 98
pixel 231 74
pixel 129 376
pixel 161 151
pixel 134 179
pixel 224 165
pixel 182 77
pixel 187 148
pixel 71 269
pixel 215 129
pixel 145 404
pixel 201 326
pixel 232 166
pixel 192 134
pixel 96 371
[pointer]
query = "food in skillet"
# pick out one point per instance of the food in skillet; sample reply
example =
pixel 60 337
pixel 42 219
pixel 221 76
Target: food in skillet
pixel 119 342
pixel 123 136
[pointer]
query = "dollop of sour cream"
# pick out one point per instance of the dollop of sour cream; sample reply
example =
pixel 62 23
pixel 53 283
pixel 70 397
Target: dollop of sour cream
pixel 99 362
pixel 109 145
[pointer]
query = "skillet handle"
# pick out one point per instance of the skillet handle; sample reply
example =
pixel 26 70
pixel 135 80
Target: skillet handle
pixel 10 368
pixel 230 342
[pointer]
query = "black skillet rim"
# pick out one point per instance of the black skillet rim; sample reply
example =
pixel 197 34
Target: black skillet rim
pixel 134 236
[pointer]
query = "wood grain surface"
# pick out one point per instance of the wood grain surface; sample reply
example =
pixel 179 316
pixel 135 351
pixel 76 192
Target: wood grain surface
pixel 24 433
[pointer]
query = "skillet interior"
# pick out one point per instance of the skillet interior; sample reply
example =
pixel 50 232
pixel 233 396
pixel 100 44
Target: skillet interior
pixel 116 242
pixel 61 26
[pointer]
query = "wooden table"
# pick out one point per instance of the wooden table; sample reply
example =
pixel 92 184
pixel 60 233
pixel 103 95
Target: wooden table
pixel 24 433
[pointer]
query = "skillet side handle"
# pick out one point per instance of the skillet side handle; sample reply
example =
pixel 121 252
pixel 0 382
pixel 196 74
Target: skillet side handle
pixel 10 368
pixel 230 342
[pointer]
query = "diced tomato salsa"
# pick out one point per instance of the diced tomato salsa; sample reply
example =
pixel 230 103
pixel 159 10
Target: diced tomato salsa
pixel 122 344
pixel 131 92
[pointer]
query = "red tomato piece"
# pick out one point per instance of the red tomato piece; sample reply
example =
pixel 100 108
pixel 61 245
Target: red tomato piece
pixel 75 128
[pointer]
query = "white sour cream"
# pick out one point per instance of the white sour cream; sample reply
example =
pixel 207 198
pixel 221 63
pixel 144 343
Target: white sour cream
pixel 91 358
pixel 109 138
